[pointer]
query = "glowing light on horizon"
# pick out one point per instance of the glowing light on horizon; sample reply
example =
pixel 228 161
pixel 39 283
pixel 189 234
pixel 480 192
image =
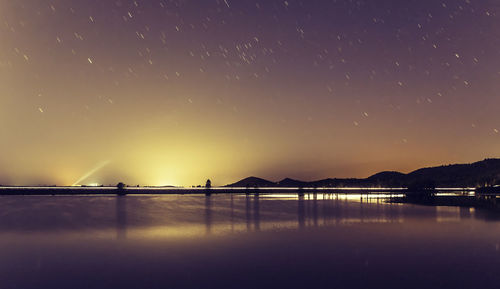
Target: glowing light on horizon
pixel 91 172
pixel 94 185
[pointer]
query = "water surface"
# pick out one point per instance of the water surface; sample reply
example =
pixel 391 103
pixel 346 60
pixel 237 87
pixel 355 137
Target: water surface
pixel 239 241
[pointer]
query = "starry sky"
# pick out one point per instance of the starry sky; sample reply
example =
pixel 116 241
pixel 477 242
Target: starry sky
pixel 171 92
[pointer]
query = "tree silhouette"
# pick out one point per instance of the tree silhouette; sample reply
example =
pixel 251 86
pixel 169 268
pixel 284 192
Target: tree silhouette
pixel 120 186
pixel 208 184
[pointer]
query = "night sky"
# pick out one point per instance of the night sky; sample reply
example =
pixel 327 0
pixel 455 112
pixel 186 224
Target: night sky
pixel 174 92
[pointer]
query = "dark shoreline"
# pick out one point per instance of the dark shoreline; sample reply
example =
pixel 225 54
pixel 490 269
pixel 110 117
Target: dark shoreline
pixel 183 191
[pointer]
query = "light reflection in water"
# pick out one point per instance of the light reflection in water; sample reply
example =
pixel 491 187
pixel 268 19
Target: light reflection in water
pixel 121 217
pixel 208 214
pixel 179 216
pixel 312 210
pixel 256 212
pixel 249 238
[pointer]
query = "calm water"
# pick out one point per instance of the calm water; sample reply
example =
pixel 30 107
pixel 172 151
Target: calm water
pixel 223 241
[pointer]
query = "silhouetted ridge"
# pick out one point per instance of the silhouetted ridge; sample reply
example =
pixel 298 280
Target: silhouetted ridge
pixel 388 179
pixel 386 175
pixel 253 182
pixel 482 173
pixel 486 172
pixel 287 182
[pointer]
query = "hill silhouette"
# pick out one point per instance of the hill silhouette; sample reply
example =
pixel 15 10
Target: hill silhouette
pixel 252 182
pixel 478 174
pixel 287 182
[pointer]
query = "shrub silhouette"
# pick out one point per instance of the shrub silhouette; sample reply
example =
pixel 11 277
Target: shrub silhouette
pixel 120 186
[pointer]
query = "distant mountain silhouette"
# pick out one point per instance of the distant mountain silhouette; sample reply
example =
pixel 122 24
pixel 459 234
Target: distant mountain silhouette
pixel 486 172
pixel 287 182
pixel 388 178
pixel 252 182
pixel 482 173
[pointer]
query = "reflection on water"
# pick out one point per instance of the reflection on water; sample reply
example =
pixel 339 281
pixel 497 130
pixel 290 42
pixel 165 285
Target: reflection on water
pixel 247 241
pixel 247 212
pixel 301 212
pixel 231 217
pixel 121 217
pixel 208 213
pixel 189 216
